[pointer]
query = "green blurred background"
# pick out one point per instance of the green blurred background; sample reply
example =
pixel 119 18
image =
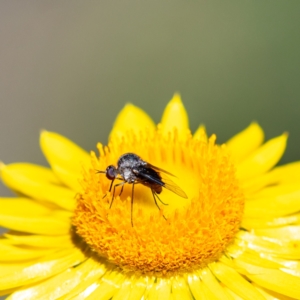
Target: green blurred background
pixel 70 66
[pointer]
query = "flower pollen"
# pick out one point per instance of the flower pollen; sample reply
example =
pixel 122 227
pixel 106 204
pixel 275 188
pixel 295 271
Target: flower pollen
pixel 194 232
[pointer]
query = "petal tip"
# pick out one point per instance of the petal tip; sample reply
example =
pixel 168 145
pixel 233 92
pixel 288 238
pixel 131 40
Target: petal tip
pixel 255 124
pixel 175 115
pixel 43 131
pixel 44 134
pixel 131 117
pixel 129 109
pixel 176 101
pixel 129 106
pixel 283 137
pixel 200 133
pixel 176 98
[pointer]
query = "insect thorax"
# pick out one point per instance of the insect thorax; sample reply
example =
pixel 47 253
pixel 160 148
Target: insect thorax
pixel 126 163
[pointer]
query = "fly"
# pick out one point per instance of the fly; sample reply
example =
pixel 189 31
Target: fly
pixel 133 170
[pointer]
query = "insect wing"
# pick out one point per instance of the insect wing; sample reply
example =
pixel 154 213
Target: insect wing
pixel 146 174
pixel 171 186
pixel 163 181
pixel 159 170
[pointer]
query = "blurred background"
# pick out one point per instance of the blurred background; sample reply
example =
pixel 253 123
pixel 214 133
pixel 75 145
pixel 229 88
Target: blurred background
pixel 70 66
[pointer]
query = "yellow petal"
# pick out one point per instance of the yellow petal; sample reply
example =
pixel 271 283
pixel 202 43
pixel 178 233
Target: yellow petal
pixel 234 281
pixel 132 288
pixel 105 288
pixel 18 275
pixel 276 191
pixel 251 257
pixel 232 294
pixel 161 289
pixel 244 143
pixel 42 241
pixel 175 116
pixel 257 183
pixel 289 173
pixel 252 223
pixel 180 289
pixel 272 279
pixel 263 159
pixel 29 179
pixel 22 207
pixel 150 283
pixel 213 285
pixel 138 287
pixel 89 292
pixel 38 225
pixel 199 290
pixel 278 247
pixel 65 157
pixel 25 207
pixel 83 290
pixel 288 233
pixel 207 293
pixel 271 295
pixel 273 206
pixel 91 271
pixel 59 285
pixel 131 118
pixel 124 292
pixel 195 286
pixel 289 266
pixel 200 134
pixel 7 291
pixel 43 173
pixel 9 253
pixel 264 260
pixel 52 288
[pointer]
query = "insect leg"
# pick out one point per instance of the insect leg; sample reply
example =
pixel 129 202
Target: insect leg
pixel 109 188
pixel 121 190
pixel 132 193
pixel 155 195
pixel 112 200
pixel 160 199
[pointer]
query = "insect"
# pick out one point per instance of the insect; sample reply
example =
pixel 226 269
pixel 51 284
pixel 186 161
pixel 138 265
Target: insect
pixel 133 170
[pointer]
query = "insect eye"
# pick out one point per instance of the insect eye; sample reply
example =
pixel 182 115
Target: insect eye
pixel 110 172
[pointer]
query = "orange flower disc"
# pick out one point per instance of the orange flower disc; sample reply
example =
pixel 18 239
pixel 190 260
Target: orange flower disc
pixel 197 229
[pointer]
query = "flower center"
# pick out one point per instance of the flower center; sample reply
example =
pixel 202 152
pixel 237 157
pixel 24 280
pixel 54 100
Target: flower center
pixel 186 233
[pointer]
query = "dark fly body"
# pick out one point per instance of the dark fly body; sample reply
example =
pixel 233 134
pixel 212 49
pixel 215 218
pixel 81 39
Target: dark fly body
pixel 133 170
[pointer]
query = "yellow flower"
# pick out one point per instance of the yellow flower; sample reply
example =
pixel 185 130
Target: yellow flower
pixel 235 236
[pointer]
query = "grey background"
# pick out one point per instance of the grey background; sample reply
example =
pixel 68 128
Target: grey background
pixel 70 66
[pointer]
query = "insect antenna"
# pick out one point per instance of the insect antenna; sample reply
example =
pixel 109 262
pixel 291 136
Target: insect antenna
pixel 98 171
pixel 104 172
